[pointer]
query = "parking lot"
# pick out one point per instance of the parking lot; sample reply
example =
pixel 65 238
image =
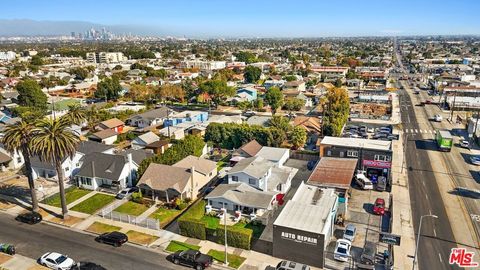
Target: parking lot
pixel 370 131
pixel 368 225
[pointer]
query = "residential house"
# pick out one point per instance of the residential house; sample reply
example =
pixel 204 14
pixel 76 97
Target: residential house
pixel 114 124
pixel 245 94
pixel 274 154
pixel 144 140
pixel 157 147
pixel 186 117
pixel 149 118
pixel 274 81
pixel 105 171
pixel 247 150
pixel 106 136
pixel 137 155
pixel 262 174
pixel 5 160
pixel 295 86
pixel 206 169
pixel 241 197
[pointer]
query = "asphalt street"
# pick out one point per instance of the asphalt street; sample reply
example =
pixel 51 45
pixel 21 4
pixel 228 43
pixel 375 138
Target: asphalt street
pixel 35 240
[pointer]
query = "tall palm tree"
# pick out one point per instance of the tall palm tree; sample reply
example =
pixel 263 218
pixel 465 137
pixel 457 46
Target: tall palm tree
pixel 17 137
pixel 76 115
pixel 53 142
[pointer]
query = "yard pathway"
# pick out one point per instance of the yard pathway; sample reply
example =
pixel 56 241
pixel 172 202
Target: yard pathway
pixel 72 204
pixel 146 214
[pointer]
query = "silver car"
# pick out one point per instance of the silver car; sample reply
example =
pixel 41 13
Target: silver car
pixel 350 232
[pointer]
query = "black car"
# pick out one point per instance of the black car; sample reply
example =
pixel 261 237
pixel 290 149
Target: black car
pixel 112 238
pixel 192 258
pixel 29 217
pixel 87 266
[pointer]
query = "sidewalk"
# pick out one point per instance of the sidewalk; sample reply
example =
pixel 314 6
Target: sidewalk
pixel 19 262
pixel 402 212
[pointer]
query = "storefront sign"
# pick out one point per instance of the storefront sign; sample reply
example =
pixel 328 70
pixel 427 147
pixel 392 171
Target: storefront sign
pixel 377 164
pixel 390 239
pixel 299 238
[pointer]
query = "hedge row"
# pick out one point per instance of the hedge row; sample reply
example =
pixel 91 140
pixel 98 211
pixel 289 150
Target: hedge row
pixel 194 228
pixel 236 237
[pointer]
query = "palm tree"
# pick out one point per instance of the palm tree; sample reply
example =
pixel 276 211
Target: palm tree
pixel 17 137
pixel 76 115
pixel 53 142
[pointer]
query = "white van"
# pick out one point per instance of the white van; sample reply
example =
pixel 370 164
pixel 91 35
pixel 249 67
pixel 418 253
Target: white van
pixel 363 181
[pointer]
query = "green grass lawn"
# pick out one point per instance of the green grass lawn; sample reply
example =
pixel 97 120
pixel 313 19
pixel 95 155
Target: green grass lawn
pixel 131 208
pixel 63 104
pixel 165 215
pixel 197 210
pixel 98 227
pixel 257 229
pixel 211 222
pixel 176 246
pixel 93 204
pixel 71 194
pixel 233 260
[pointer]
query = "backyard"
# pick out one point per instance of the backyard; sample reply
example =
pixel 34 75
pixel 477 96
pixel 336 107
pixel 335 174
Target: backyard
pixel 71 194
pixel 165 215
pixel 94 203
pixel 256 228
pixel 131 208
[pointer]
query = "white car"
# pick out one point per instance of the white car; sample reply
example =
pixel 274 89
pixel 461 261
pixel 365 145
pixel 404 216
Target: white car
pixel 342 250
pixel 465 144
pixel 57 261
pixel 363 181
pixel 350 232
pixel 475 160
pixel 437 118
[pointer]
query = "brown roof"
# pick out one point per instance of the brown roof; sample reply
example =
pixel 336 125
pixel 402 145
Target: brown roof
pixel 4 158
pixel 310 124
pixel 333 172
pixel 201 165
pixel 111 123
pixel 157 144
pixel 251 148
pixel 107 133
pixel 163 177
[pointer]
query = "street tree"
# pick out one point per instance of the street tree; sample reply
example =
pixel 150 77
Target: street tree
pixel 252 74
pixel 31 95
pixel 336 112
pixel 274 98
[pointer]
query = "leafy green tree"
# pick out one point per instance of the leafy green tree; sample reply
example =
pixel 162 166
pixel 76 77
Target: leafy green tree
pixel 244 105
pixel 109 88
pixel 290 78
pixel 278 136
pixel 274 98
pixel 217 90
pixel 338 83
pixel 17 138
pixel 80 73
pixel 280 122
pixel 117 67
pixel 293 104
pixel 36 60
pixel 258 103
pixel 252 74
pixel 54 141
pixel 298 137
pixel 31 95
pixel 246 57
pixel 336 112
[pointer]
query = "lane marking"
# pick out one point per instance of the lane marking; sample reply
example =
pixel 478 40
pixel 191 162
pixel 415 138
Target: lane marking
pixel 434 232
pixel 416 131
pixel 426 196
pixel 440 257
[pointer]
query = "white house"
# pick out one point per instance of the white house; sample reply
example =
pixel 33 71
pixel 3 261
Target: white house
pixel 144 140
pixel 274 154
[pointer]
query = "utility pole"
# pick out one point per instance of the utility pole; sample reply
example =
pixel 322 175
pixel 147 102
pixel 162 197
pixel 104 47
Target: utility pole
pixel 453 105
pixel 225 226
pixel 418 238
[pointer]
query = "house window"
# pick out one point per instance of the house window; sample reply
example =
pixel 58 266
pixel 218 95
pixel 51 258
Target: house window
pixel 86 181
pixel 235 178
pixel 78 164
pixel 381 158
pixel 352 153
pixel 252 181
pixel 19 159
pixel 67 169
pixel 329 153
pixel 342 154
pixel 279 187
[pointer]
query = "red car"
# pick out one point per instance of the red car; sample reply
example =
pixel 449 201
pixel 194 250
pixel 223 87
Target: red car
pixel 379 206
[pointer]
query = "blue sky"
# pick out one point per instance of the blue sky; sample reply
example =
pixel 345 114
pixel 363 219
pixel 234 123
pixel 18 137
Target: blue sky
pixel 265 18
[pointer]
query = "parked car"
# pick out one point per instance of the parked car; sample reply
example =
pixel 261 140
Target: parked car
pixel 437 118
pixel 29 217
pixel 87 266
pixel 311 164
pixel 342 250
pixel 249 113
pixel 381 183
pixel 57 261
pixel 465 144
pixel 475 160
pixel 289 265
pixel 370 130
pixel 379 206
pixel 350 232
pixel 192 258
pixel 363 181
pixel 112 238
pixel 367 259
pixel 126 192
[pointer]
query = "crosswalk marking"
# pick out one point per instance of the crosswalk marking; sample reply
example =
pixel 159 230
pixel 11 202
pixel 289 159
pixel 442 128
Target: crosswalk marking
pixel 419 131
pixel 416 131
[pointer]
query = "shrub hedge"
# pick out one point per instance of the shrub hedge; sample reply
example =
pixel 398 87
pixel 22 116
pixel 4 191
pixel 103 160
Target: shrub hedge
pixel 236 236
pixel 190 227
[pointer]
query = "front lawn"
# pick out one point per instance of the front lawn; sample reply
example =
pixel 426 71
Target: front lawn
pixel 99 228
pixel 175 246
pixel 234 261
pixel 131 208
pixel 211 222
pixel 93 204
pixel 140 238
pixel 196 211
pixel 256 228
pixel 165 215
pixel 71 194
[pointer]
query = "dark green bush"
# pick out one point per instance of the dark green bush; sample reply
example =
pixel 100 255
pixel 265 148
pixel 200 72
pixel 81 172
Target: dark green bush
pixel 236 237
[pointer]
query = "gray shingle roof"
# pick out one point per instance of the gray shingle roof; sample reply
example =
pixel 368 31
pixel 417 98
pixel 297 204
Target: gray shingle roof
pixel 254 166
pixel 87 147
pixel 137 155
pixel 161 112
pixel 163 177
pixel 102 165
pixel 272 153
pixel 242 194
pixel 201 165
pixel 106 133
pixel 149 137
